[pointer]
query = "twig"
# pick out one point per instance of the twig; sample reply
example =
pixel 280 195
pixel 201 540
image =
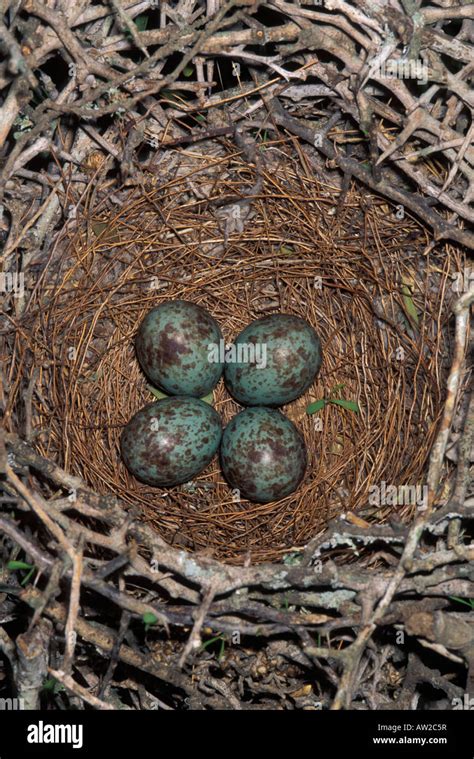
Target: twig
pixel 115 654
pixel 73 610
pixel 78 690
pixel 408 200
pixel 35 505
pixel 461 311
pixel 128 24
pixel 194 640
pixel 32 663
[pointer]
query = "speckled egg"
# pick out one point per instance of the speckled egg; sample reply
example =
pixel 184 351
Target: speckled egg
pixel 273 361
pixel 171 441
pixel 174 346
pixel 262 454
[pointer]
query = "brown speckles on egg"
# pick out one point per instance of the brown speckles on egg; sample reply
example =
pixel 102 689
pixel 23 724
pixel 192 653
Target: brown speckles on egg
pixel 170 349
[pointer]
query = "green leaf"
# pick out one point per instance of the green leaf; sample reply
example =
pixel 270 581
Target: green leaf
pixel 410 307
pixel 337 389
pixel 51 685
pixel 157 393
pixel 209 642
pixel 349 405
pixel 222 649
pixel 141 23
pixel 316 406
pixel 264 139
pixel 220 638
pixel 19 565
pixel 469 603
pixel 209 398
pixel 188 71
pixel 149 619
pixel 27 577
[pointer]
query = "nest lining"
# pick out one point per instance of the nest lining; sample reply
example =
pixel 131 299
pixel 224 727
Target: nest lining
pixel 352 272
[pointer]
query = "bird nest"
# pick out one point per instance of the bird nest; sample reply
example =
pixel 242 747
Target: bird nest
pixel 244 241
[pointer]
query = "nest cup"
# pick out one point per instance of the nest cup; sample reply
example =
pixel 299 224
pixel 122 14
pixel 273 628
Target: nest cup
pixel 352 271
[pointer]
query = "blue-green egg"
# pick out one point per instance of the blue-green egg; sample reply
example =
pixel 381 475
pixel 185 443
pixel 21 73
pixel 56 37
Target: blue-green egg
pixel 175 346
pixel 262 454
pixel 169 442
pixel 273 361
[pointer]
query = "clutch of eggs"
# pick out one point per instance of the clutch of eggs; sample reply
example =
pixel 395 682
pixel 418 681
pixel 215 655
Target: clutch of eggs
pixel 181 350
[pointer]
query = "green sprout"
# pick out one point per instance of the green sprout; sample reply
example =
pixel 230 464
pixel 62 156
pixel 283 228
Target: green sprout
pixel 149 619
pixel 217 638
pixel 15 565
pixel 409 304
pixel 52 686
pixel 264 139
pixel 318 405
